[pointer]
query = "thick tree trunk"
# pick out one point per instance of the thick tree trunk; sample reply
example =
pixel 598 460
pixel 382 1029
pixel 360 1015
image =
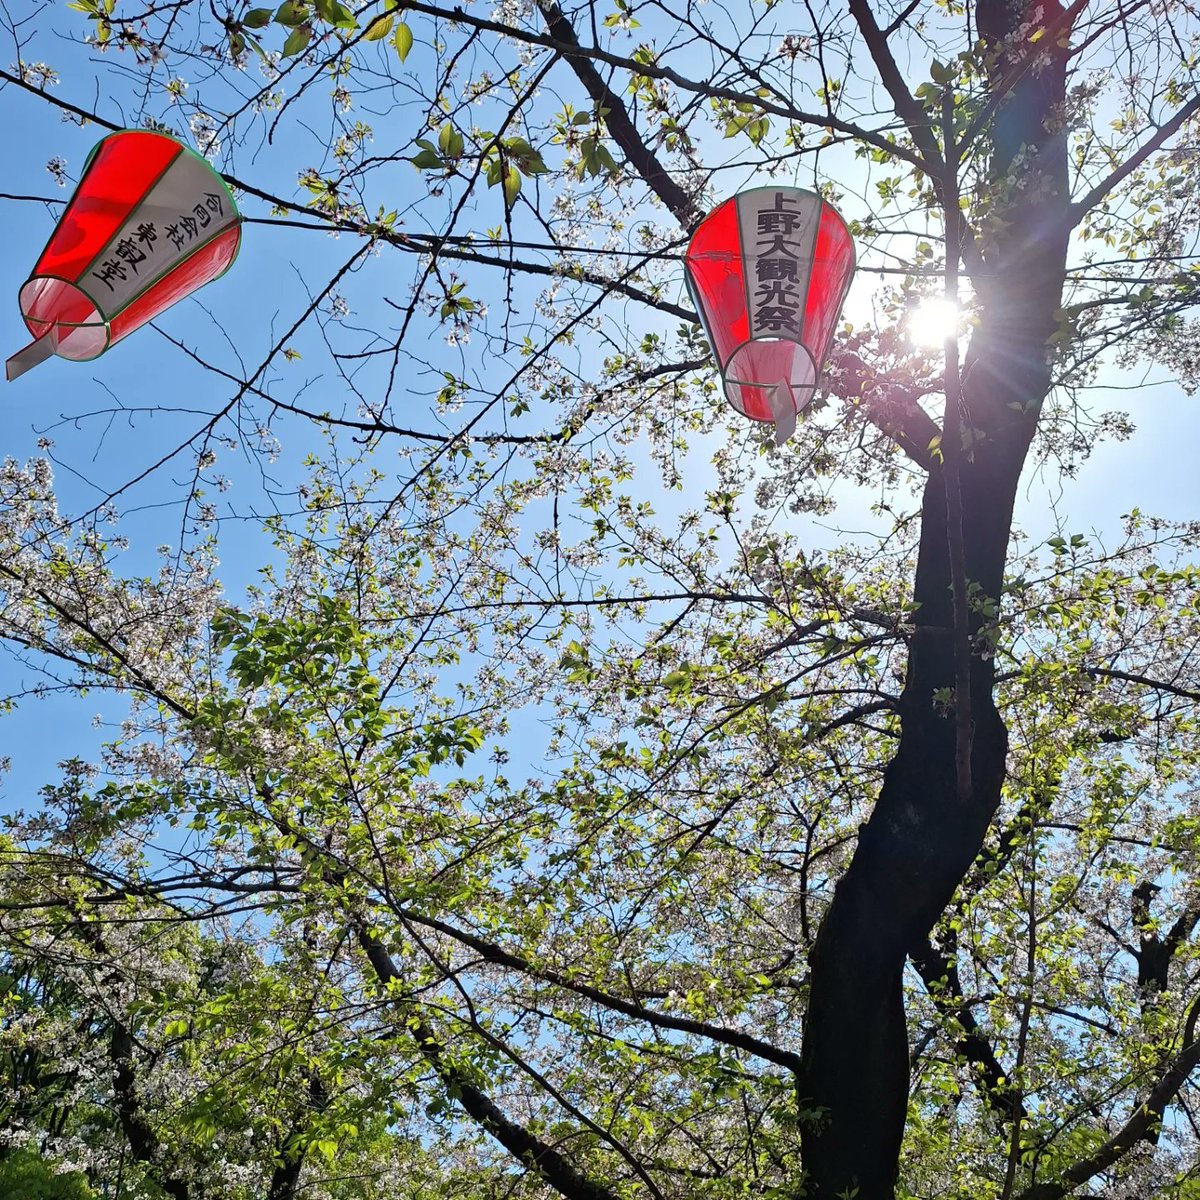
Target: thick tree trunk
pixel 911 855
pixel 143 1143
pixel 922 837
pixel 285 1179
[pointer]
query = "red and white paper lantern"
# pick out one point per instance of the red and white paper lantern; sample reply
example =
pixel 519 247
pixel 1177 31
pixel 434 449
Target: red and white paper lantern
pixel 768 272
pixel 150 222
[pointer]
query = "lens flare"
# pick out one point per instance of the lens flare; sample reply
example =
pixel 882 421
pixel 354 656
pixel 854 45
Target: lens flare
pixel 933 321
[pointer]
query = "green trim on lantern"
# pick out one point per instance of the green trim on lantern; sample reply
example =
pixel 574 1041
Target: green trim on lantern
pixel 237 216
pixel 106 321
pixel 213 170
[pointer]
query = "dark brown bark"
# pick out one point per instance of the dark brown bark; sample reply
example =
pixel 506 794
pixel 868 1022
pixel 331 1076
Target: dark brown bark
pixel 617 119
pixel 922 838
pixel 143 1143
pixel 142 1140
pixel 286 1176
pixel 555 1169
pixel 938 968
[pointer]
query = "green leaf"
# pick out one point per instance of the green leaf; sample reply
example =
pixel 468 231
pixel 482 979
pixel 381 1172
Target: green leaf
pixel 403 40
pixel 379 28
pixel 530 162
pixel 256 18
pixel 427 160
pixel 336 14
pixel 291 12
pixel 297 40
pixel 450 141
pixel 512 185
pixel 594 158
pixel 757 129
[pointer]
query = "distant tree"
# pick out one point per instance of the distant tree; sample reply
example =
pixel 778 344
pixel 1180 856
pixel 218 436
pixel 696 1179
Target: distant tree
pixel 27 1176
pixel 555 846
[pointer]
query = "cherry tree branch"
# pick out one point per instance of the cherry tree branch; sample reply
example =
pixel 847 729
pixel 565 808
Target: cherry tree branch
pixel 541 1157
pixel 1029 53
pixel 1140 1125
pixel 617 119
pixel 533 268
pixel 919 127
pixel 1158 685
pixel 650 70
pixel 493 953
pixel 1077 211
pixel 939 972
pixel 139 679
pixel 892 409
pixel 143 1143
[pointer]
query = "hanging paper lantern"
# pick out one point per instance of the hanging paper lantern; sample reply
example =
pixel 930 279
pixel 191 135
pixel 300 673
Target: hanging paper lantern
pixel 768 271
pixel 149 223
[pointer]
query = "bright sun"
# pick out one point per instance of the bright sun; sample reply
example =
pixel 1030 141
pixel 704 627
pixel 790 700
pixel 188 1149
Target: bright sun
pixel 933 320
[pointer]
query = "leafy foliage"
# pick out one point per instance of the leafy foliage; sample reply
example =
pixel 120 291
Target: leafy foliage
pixel 26 1175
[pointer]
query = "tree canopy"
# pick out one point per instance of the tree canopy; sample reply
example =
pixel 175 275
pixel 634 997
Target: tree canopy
pixel 505 788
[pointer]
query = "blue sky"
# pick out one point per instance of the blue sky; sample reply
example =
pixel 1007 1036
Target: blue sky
pixel 235 322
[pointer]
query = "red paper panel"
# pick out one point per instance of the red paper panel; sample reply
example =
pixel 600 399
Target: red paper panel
pixel 717 280
pixel 205 265
pixel 124 167
pixel 833 264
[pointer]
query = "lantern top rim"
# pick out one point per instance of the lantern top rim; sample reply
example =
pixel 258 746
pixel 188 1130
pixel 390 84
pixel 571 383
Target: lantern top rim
pixel 771 187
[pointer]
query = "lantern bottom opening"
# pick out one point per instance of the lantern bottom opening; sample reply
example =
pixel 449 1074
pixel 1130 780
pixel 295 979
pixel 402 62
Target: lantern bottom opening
pixel 770 379
pixel 49 303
